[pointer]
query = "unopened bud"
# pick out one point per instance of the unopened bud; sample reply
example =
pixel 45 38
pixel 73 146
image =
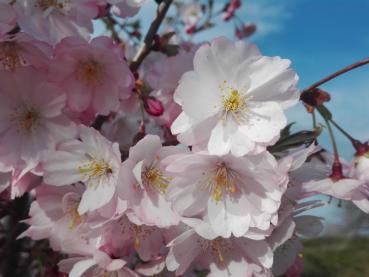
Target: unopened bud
pixel 245 30
pixel 315 97
pixel 153 106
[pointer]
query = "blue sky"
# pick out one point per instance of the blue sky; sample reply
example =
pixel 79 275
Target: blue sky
pixel 319 37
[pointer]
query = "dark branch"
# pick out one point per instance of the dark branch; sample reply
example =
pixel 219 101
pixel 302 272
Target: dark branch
pixel 338 73
pixel 150 36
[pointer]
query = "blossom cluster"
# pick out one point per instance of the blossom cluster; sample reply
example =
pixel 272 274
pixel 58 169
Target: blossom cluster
pixel 194 186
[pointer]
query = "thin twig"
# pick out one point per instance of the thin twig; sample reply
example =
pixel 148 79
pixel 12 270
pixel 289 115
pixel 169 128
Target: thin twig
pixel 338 73
pixel 150 36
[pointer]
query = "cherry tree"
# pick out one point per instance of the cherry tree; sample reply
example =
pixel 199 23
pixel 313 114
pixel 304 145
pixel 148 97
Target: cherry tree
pixel 146 154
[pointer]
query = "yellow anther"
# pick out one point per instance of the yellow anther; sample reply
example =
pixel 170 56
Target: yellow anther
pixel 95 169
pixel 153 177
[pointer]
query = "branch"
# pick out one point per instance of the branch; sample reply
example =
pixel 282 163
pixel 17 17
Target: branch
pixel 151 33
pixel 338 73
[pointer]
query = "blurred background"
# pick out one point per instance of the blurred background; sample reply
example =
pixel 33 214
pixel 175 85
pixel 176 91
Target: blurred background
pixel 319 37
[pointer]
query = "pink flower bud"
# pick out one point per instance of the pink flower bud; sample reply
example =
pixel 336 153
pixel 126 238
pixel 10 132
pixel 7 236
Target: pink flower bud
pixel 245 30
pixel 153 106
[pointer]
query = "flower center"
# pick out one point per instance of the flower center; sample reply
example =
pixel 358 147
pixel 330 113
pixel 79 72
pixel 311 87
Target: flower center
pixel 95 169
pixel 9 57
pixel 27 119
pixel 45 4
pixel 137 232
pixel 154 178
pixel 88 71
pixel 221 181
pixel 218 248
pixel 234 102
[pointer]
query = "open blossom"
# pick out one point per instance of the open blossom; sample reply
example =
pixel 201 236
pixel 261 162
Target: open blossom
pixel 232 194
pixel 21 50
pixel 53 20
pixel 124 236
pixel 31 116
pixel 54 216
pixel 233 101
pixel 223 256
pixel 94 75
pixel 93 160
pixel 343 183
pixel 7 17
pixel 144 182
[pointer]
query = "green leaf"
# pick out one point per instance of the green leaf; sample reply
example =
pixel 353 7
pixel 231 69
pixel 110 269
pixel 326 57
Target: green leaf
pixel 295 140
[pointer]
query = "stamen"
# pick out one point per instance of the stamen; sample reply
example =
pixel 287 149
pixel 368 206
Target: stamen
pixel 75 218
pixel 218 248
pixel 234 102
pixel 9 57
pixel 95 169
pixel 154 178
pixel 220 181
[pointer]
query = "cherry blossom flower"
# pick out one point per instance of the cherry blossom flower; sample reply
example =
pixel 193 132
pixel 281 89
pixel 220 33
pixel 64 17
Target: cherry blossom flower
pixel 53 20
pixel 124 236
pixel 94 74
pixel 54 216
pixel 7 17
pixel 222 189
pixel 224 257
pixel 338 183
pixel 144 182
pixel 21 50
pixel 93 160
pixel 233 101
pixel 31 116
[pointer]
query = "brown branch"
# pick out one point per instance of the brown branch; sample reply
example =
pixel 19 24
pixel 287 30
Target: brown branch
pixel 150 36
pixel 338 73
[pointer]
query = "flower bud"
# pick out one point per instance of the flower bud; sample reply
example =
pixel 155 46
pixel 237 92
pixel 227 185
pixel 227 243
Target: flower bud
pixel 153 106
pixel 245 30
pixel 315 97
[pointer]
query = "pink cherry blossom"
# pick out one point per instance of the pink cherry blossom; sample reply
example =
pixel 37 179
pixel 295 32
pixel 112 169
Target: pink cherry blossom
pixel 54 216
pixel 233 101
pixel 21 50
pixel 31 116
pixel 94 75
pixel 224 188
pixel 224 257
pixel 54 20
pixel 123 236
pixel 93 160
pixel 144 182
